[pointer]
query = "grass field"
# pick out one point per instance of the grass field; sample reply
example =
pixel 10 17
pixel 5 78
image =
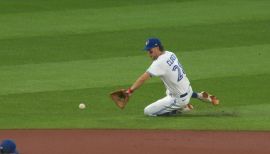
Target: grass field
pixel 56 54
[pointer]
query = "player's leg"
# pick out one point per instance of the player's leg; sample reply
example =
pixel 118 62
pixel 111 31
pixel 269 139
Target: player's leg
pixel 170 105
pixel 186 100
pixel 165 106
pixel 206 97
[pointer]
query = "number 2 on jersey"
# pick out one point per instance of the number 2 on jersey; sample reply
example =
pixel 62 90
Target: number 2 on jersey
pixel 179 70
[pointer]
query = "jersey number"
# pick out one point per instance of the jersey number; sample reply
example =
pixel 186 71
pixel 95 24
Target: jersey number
pixel 180 72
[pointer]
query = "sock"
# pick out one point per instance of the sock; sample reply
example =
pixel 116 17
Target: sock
pixel 194 95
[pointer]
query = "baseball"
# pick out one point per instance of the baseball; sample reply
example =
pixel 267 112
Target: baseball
pixel 82 106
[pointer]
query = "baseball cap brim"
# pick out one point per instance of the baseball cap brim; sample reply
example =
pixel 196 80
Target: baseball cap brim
pixel 146 48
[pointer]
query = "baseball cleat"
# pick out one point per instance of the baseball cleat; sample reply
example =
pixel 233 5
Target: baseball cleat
pixel 206 97
pixel 187 108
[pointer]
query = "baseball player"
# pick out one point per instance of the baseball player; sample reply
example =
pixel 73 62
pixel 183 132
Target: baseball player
pixel 168 68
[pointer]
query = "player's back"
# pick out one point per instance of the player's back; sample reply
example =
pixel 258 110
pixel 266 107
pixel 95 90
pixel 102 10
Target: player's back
pixel 173 75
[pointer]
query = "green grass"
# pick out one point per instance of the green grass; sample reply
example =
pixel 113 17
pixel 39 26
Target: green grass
pixel 56 54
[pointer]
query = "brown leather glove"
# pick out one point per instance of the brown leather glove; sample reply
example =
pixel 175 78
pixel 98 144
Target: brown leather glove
pixel 120 97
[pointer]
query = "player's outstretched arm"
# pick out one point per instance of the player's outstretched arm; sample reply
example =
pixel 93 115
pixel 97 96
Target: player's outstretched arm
pixel 139 82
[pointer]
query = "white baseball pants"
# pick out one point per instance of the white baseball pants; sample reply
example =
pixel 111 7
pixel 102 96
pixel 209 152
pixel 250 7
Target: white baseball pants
pixel 168 104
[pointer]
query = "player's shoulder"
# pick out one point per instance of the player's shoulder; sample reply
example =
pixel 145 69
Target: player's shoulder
pixel 165 55
pixel 162 58
pixel 169 53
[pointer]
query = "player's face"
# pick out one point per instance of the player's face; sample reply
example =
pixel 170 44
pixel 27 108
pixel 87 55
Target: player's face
pixel 153 53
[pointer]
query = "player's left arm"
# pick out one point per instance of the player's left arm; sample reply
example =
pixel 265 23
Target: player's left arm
pixel 139 82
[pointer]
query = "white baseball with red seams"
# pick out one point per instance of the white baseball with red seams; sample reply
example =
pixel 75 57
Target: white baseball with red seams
pixel 82 106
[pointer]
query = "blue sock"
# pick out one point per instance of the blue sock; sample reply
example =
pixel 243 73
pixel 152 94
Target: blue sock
pixel 194 95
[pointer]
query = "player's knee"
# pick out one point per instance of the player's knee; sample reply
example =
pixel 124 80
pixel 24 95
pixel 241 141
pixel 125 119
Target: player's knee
pixel 148 111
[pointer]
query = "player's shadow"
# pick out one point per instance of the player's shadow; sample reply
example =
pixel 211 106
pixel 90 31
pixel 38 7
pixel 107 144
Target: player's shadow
pixel 209 114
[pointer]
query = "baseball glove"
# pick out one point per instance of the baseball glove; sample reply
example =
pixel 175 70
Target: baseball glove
pixel 120 97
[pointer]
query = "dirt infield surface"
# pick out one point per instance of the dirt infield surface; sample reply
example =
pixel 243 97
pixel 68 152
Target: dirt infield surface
pixel 138 142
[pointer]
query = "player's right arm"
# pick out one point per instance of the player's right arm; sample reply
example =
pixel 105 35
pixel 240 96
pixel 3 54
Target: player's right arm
pixel 139 82
pixel 153 70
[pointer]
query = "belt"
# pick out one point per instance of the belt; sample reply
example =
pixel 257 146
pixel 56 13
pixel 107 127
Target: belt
pixel 183 95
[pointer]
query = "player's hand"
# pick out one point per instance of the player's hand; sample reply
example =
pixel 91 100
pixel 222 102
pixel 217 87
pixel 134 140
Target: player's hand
pixel 129 91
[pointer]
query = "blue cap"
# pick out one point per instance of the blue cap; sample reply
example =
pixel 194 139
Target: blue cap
pixel 8 146
pixel 151 43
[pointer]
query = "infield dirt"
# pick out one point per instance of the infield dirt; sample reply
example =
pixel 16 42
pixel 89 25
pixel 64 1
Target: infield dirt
pixel 138 141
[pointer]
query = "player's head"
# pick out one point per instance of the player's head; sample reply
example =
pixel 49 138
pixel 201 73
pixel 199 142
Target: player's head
pixel 153 43
pixel 154 47
pixel 8 147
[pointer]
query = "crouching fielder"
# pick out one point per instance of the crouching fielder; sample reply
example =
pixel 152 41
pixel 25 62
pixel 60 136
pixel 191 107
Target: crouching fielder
pixel 168 68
